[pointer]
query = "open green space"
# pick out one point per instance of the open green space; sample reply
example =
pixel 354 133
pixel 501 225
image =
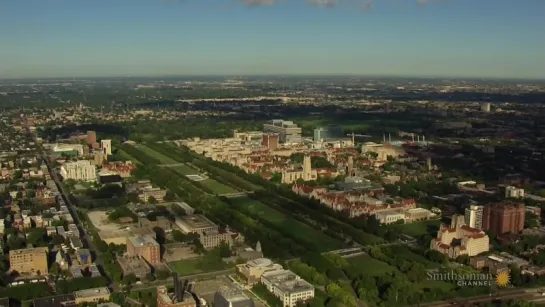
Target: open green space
pixel 152 153
pixel 210 262
pixel 218 188
pixel 185 170
pixel 298 229
pixel 418 229
pixel 369 266
pixel 182 169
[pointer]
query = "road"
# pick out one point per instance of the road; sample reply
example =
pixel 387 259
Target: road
pixel 511 294
pixel 83 233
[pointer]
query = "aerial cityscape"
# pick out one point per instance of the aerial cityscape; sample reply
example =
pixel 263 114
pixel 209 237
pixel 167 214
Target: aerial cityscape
pixel 272 153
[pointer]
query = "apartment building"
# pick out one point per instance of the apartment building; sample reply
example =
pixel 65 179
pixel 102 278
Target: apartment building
pixel 506 217
pixel 106 146
pixel 80 170
pixel 145 247
pixel 288 287
pixel 474 217
pixel 32 261
pixel 287 131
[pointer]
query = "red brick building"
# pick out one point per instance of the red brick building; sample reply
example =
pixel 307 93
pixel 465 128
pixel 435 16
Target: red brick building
pixel 506 217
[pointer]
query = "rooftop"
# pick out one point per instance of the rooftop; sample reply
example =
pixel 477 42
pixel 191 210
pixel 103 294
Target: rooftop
pixel 65 300
pixel 143 241
pixel 287 281
pixel 36 250
pixel 197 221
pixel 234 295
pixel 92 292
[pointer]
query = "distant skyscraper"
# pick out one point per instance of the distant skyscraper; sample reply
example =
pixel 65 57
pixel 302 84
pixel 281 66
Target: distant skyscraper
pixel 328 132
pixel 270 141
pixel 106 146
pixel 91 137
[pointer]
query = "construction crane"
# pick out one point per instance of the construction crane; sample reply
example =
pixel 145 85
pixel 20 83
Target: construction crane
pixel 353 135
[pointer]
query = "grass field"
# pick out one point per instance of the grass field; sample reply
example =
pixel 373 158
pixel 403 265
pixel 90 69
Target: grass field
pixel 152 153
pixel 185 170
pixel 298 229
pixel 366 264
pixel 217 187
pixel 210 262
pixel 418 229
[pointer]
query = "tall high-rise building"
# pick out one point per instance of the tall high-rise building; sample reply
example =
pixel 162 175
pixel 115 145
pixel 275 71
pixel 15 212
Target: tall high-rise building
pixel 485 107
pixel 270 141
pixel 506 217
pixel 31 261
pixel 106 146
pixel 474 217
pixel 91 137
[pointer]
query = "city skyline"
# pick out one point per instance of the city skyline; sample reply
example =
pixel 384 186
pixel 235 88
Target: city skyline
pixel 433 38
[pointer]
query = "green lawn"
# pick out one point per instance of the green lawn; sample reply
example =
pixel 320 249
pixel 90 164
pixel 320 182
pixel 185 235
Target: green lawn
pixel 218 188
pixel 152 153
pixel 366 264
pixel 418 229
pixel 185 170
pixel 208 263
pixel 298 229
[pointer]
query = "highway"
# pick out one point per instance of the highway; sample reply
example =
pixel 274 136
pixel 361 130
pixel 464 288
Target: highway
pixel 83 234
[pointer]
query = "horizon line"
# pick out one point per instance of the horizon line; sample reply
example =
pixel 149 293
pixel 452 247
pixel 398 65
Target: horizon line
pixel 153 76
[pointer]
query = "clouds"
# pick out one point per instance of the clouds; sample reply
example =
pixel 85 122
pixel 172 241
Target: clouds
pixel 258 2
pixel 323 3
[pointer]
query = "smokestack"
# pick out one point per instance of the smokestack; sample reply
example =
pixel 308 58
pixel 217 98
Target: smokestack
pixel 176 286
pixel 383 138
pixel 413 137
pixel 389 138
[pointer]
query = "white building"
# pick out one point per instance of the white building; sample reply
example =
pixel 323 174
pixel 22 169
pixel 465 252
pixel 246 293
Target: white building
pixel 474 217
pixel 68 147
pixel 106 146
pixel 513 192
pixel 389 217
pixel 485 107
pixel 80 170
pixel 288 287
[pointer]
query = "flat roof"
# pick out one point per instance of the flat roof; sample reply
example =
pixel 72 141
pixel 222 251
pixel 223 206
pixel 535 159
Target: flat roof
pixel 234 295
pixel 197 221
pixel 143 241
pixel 287 281
pixel 35 250
pixel 92 292
pixel 64 300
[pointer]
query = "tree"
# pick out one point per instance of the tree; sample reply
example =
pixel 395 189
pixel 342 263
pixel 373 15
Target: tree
pixel 55 269
pixel 170 196
pixel 225 250
pixel 152 200
pixel 150 277
pixel 162 275
pixel 129 279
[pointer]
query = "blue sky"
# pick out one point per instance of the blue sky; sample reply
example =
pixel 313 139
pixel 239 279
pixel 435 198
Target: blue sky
pixel 74 38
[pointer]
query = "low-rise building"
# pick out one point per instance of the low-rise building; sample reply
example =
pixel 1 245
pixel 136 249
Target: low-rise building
pixel 95 295
pixel 288 287
pixel 417 214
pixel 32 261
pixel 460 239
pixel 134 265
pixel 252 270
pixel 389 217
pixel 232 297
